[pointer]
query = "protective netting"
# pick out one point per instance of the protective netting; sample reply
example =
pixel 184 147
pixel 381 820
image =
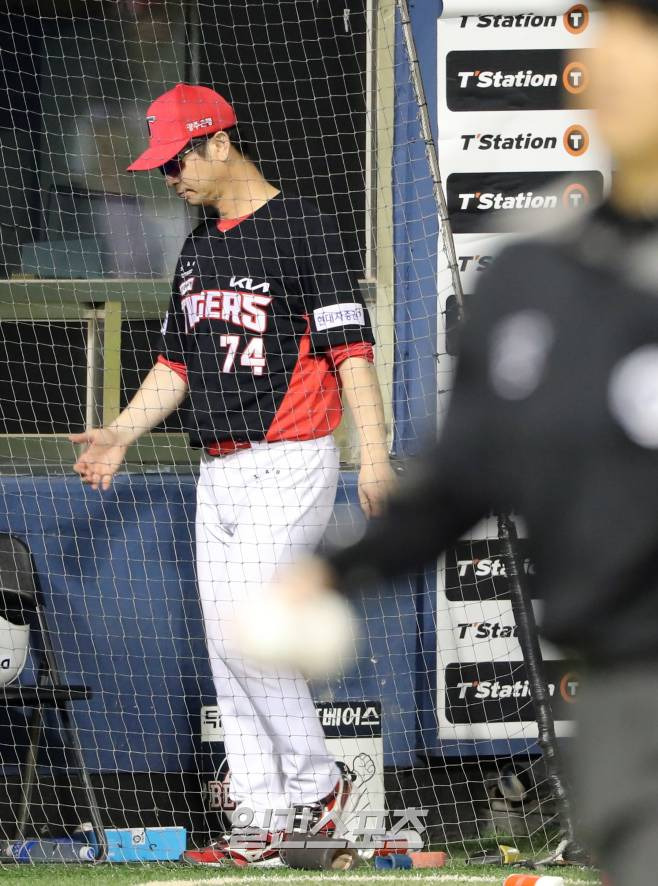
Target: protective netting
pixel 326 105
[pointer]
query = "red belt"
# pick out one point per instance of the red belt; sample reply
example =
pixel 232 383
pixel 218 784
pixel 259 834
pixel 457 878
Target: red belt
pixel 226 447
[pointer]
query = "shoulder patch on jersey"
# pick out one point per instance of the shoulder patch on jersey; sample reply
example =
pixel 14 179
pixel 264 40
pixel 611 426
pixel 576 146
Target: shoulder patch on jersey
pixel 344 314
pixel 187 285
pixel 633 395
pixel 518 351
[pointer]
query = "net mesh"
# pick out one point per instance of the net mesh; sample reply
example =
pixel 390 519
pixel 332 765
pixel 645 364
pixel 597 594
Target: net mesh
pixel 87 254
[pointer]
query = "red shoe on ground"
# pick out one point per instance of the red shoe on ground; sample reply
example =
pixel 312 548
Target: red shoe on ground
pixel 340 797
pixel 237 849
pixel 261 848
pixel 338 800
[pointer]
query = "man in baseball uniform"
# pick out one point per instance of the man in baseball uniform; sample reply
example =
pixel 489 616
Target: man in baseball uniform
pixel 265 330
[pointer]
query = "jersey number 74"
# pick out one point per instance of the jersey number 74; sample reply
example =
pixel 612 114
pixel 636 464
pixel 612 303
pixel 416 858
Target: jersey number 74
pixel 252 357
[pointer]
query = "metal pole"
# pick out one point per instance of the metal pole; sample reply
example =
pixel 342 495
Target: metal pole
pixel 430 148
pixel 95 317
pixel 371 141
pixel 192 42
pixel 533 659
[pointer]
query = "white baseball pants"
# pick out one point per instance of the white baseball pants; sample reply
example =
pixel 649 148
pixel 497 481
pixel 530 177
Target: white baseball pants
pixel 257 509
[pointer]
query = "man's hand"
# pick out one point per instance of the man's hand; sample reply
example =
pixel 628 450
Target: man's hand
pixel 101 459
pixel 376 482
pixel 162 391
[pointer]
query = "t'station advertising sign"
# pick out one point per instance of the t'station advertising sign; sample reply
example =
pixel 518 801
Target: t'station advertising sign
pixel 518 152
pixel 526 80
pixel 483 690
pixel 502 201
pixel 516 136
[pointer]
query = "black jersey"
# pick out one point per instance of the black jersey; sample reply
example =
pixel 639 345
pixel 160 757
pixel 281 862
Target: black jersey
pixel 554 414
pixel 255 313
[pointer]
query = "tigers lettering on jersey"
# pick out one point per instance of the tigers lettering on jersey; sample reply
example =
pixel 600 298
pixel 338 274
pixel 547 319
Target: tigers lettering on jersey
pixel 245 309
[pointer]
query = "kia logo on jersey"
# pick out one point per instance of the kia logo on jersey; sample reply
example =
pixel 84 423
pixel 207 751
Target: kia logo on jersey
pixel 500 202
pixel 515 80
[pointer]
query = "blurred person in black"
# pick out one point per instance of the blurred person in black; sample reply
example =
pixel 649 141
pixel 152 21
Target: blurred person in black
pixel 554 413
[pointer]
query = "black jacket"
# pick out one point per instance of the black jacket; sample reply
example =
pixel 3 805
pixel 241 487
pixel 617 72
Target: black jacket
pixel 554 415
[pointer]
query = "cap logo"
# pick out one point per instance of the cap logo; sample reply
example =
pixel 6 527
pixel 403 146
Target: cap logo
pixel 198 124
pixel 150 119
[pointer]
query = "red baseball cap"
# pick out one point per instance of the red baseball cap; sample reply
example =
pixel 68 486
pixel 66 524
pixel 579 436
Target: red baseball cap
pixel 178 115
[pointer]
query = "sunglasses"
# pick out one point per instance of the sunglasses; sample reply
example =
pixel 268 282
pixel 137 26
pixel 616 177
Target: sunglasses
pixel 174 166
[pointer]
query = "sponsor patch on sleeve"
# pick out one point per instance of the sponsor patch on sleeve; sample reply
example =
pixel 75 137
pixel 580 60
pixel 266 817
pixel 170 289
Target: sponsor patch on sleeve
pixel 345 314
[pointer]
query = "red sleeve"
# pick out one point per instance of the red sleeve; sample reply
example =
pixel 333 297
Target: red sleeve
pixel 179 368
pixel 341 353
